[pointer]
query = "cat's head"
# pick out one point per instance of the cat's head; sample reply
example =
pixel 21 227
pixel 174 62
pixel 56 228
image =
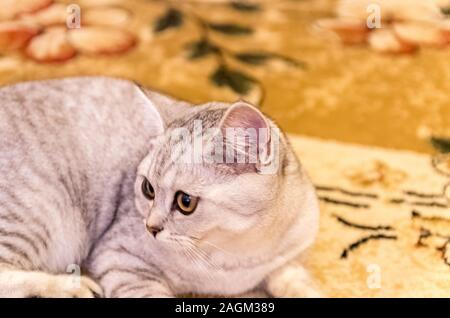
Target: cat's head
pixel 213 185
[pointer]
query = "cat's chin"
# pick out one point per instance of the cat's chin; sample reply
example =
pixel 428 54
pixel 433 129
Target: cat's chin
pixel 227 284
pixel 195 276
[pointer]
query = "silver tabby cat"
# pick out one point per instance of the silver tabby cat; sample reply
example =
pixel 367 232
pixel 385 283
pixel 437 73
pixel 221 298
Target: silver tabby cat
pixel 87 177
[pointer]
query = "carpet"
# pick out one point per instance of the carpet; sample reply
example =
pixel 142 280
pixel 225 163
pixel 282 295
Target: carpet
pixel 372 129
pixel 385 222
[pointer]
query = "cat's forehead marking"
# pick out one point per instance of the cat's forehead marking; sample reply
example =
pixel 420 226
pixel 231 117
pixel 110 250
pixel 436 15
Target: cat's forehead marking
pixel 207 117
pixel 168 180
pixel 163 160
pixel 169 167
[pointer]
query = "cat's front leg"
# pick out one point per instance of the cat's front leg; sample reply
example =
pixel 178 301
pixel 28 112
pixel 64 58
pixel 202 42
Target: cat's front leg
pixel 125 274
pixel 132 282
pixel 138 289
pixel 18 283
pixel 291 281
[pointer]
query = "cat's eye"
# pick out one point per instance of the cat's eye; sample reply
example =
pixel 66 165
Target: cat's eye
pixel 185 203
pixel 147 190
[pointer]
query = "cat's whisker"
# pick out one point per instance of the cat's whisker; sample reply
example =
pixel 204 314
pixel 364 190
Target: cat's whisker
pixel 200 253
pixel 190 248
pixel 190 252
pixel 206 257
pixel 213 245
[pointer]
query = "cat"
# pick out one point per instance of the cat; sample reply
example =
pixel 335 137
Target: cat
pixel 89 177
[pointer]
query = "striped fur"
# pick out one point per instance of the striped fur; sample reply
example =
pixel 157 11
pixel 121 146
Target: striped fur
pixel 73 154
pixel 68 150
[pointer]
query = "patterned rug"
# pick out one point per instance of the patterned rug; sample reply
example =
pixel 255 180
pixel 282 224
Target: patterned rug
pixel 385 221
pixel 385 211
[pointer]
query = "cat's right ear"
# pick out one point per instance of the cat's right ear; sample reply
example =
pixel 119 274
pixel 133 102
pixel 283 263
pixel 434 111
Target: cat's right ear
pixel 155 119
pixel 169 107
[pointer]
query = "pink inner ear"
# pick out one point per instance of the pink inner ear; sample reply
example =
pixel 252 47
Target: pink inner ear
pixel 244 116
pixel 243 122
pixel 246 135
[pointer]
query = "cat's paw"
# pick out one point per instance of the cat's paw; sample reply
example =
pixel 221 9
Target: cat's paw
pixel 292 282
pixel 42 285
pixel 66 286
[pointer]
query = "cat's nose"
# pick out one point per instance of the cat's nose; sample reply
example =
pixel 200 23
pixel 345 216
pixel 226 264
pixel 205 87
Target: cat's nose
pixel 154 230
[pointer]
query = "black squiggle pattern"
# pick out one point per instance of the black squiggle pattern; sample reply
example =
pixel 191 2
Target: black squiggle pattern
pixel 423 195
pixel 345 203
pixel 347 192
pixel 443 250
pixel 364 240
pixel 432 204
pixel 418 215
pixel 435 162
pixel 363 227
pixel 426 233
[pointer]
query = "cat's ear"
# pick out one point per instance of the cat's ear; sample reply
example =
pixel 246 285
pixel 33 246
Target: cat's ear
pixel 156 121
pixel 246 130
pixel 169 107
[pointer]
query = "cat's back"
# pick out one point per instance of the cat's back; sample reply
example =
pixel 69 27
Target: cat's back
pixel 69 101
pixel 96 119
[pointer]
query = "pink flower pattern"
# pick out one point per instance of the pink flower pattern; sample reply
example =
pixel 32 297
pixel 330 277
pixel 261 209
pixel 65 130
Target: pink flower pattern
pixel 404 26
pixel 39 28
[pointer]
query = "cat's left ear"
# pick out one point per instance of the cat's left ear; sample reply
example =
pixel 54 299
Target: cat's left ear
pixel 246 116
pixel 243 122
pixel 155 120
